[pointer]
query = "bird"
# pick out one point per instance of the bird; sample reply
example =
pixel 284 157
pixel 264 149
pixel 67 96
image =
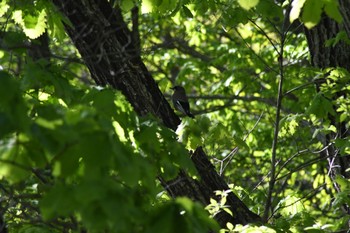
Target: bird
pixel 180 101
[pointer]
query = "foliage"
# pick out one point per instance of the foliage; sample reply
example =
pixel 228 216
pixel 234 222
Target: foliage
pixel 75 156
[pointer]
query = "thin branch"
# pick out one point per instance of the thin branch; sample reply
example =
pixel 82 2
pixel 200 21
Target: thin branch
pixel 299 87
pixel 267 37
pixel 304 165
pixel 289 160
pixel 308 195
pixel 276 132
pixel 252 50
pixel 181 45
pixel 235 150
pixel 297 154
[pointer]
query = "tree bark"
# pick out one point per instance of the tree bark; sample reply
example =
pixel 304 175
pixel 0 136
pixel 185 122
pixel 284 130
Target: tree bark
pixel 39 48
pixel 323 56
pixel 106 45
pixel 204 189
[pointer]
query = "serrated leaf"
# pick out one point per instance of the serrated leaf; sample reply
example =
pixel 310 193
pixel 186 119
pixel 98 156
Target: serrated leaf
pixel 292 205
pixel 321 106
pixel 32 25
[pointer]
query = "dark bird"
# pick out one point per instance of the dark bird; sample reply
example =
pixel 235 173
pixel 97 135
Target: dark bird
pixel 180 101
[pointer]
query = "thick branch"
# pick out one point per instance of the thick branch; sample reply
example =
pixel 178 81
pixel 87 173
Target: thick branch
pixel 106 45
pixel 204 189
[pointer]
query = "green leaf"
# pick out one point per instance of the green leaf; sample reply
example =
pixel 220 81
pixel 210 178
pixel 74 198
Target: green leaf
pixel 291 205
pixel 164 6
pixel 297 5
pixel 9 90
pixel 14 39
pixel 59 201
pixel 68 162
pixel 248 4
pixel 341 36
pixel 147 138
pixel 103 101
pixel 321 106
pixel 3 7
pixel 187 11
pixel 33 25
pixel 56 22
pixel 181 215
pixel 270 9
pixel 240 143
pixel 14 164
pixel 344 183
pixel 6 124
pixel 332 10
pixel 312 12
pixel 12 104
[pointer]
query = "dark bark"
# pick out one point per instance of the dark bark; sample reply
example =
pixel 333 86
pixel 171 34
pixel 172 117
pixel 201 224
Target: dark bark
pixel 202 190
pixel 3 228
pixel 135 30
pixel 344 7
pixel 39 48
pixel 106 45
pixel 323 56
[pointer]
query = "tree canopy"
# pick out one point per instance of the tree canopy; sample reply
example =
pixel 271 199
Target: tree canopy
pixel 89 142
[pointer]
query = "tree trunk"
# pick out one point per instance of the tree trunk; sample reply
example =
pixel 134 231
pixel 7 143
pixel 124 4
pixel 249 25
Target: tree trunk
pixel 323 56
pixel 106 45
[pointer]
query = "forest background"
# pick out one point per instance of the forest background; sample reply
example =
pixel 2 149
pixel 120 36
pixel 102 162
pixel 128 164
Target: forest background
pixel 89 142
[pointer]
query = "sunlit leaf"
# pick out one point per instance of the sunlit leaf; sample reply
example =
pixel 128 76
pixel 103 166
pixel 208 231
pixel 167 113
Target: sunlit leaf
pixel 312 11
pixel 248 4
pixel 32 25
pixel 297 5
pixel 3 7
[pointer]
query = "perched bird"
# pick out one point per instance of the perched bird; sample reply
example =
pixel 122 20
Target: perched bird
pixel 180 101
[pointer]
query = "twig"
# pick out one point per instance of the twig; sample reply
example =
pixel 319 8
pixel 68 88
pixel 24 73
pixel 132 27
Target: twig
pixel 308 195
pixel 235 150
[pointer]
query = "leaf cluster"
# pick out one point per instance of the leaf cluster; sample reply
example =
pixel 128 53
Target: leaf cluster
pixel 75 156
